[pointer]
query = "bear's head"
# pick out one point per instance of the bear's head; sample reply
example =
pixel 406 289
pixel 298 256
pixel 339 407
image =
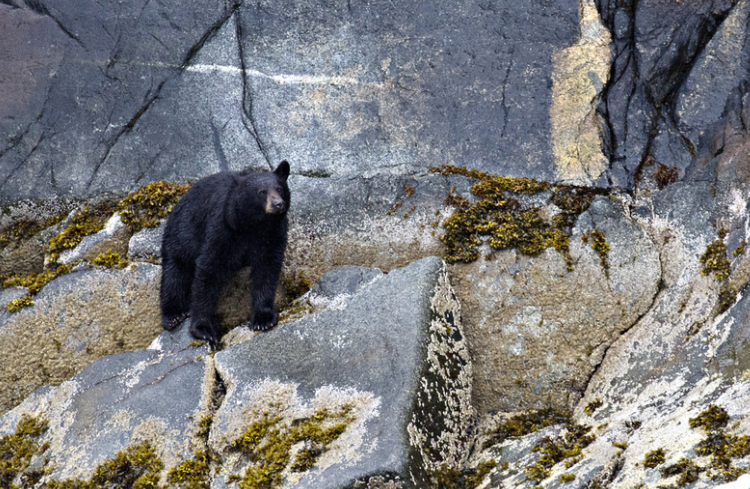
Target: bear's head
pixel 268 191
pixel 277 196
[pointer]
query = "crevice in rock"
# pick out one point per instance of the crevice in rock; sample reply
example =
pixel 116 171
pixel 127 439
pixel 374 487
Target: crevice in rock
pixel 191 53
pixel 502 99
pixel 41 9
pixel 660 290
pixel 216 138
pixel 248 119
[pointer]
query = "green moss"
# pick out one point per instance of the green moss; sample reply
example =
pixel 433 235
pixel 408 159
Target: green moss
pixel 295 284
pixel 654 458
pixel 712 419
pixel 715 259
pixel 740 250
pixel 110 259
pixel 447 477
pixel 567 477
pixel 500 220
pixel 593 406
pixel 685 468
pixel 204 427
pixel 268 443
pixel 18 449
pixel 17 304
pixel 599 244
pixel 137 467
pixel 192 473
pixel 722 447
pixel 525 423
pixel 145 207
pixel 86 221
pixel 26 228
pixel 554 450
pixel 34 283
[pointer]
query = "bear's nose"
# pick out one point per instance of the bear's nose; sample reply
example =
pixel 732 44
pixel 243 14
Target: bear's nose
pixel 278 205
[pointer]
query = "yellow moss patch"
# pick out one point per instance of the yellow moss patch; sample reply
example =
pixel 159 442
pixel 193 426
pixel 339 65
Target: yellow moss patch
pixel 654 458
pixel 85 222
pixel 525 423
pixel 137 467
pixel 192 473
pixel 715 259
pixel 501 221
pixel 26 228
pixel 567 477
pixel 18 449
pixel 110 259
pixel 145 207
pixel 593 406
pixel 599 244
pixel 568 446
pixel 17 304
pixel 34 282
pixel 451 478
pixel 268 443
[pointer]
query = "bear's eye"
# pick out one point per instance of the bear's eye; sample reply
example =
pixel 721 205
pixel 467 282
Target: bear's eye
pixel 262 191
pixel 278 190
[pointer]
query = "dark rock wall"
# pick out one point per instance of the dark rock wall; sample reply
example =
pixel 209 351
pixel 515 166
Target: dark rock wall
pixel 110 95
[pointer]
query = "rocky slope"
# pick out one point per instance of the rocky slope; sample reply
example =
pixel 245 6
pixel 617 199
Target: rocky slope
pixel 604 311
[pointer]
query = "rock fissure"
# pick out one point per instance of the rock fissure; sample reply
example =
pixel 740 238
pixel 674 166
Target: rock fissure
pixel 248 118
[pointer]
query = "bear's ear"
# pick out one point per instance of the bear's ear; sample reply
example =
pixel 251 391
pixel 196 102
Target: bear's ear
pixel 282 170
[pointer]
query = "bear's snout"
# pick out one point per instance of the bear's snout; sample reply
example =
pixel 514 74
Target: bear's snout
pixel 275 204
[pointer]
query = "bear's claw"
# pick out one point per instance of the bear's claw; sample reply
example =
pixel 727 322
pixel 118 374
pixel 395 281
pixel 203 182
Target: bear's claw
pixel 171 323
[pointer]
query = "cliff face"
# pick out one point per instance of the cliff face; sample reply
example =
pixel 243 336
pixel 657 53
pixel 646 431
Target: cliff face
pixel 606 276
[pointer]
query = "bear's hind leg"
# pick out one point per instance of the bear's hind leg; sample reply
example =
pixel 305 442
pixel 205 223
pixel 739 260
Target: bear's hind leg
pixel 176 282
pixel 210 277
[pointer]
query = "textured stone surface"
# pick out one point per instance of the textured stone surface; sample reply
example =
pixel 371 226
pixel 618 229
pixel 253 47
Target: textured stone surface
pixel 181 91
pixel 663 51
pixel 683 354
pixel 394 350
pixel 76 319
pixel 537 330
pixel 121 400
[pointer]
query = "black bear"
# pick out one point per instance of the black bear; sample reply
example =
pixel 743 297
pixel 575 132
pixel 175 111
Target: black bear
pixel 225 222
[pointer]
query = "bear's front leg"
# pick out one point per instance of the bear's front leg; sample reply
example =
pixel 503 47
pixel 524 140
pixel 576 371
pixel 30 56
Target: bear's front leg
pixel 264 278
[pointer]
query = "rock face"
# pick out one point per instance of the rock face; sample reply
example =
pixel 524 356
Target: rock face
pixel 338 91
pixel 386 372
pixel 76 319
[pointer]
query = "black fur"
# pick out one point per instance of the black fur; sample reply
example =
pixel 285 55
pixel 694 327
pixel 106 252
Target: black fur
pixel 225 222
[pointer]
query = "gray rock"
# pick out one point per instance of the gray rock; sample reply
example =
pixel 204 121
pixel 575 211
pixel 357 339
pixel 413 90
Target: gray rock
pixel 7 296
pixel 146 243
pixel 640 95
pixel 335 89
pixel 75 319
pixel 121 400
pixel 344 280
pixel 395 353
pixel 528 318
